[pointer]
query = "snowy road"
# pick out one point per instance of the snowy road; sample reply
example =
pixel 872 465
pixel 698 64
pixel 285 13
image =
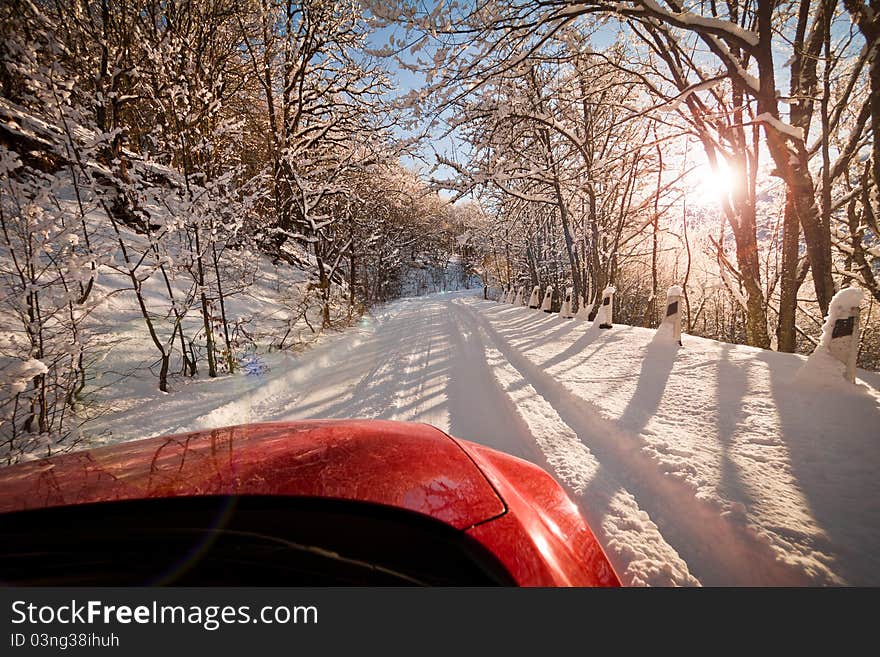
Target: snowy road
pixel 701 465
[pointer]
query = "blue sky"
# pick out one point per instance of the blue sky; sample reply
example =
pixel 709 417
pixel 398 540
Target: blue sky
pixel 447 145
pixel 406 80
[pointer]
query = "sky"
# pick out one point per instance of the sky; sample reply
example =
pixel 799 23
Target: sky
pixel 449 145
pixel 406 80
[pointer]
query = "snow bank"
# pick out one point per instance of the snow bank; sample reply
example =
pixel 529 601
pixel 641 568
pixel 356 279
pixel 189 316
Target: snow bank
pixel 783 480
pixel 822 370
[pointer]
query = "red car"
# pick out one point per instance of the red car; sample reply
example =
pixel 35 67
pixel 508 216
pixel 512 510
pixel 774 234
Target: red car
pixel 300 503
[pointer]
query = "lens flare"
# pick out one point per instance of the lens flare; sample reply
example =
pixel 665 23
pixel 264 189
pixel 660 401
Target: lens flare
pixel 711 184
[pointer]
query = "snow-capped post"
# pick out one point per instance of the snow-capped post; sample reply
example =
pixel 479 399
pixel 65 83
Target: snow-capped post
pixel 566 305
pixel 604 314
pixel 584 311
pixel 535 299
pixel 840 337
pixel 548 299
pixel 511 297
pixel 672 321
pixel 519 296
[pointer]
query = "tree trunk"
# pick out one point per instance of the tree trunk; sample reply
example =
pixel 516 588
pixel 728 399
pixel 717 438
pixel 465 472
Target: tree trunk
pixel 221 300
pixel 206 314
pixel 786 337
pixel 792 164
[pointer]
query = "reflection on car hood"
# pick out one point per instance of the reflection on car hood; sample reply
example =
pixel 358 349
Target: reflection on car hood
pixel 411 466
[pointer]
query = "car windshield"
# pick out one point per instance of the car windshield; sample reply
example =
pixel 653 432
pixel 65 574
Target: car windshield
pixel 637 248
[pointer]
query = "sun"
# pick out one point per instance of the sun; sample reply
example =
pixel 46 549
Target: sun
pixel 709 184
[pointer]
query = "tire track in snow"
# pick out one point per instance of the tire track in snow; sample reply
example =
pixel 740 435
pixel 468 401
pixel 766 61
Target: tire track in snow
pixel 633 542
pixel 479 409
pixel 376 393
pixel 409 393
pixel 716 551
pixel 281 394
pixel 377 359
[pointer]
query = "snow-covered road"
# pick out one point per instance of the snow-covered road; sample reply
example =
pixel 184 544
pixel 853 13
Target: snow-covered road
pixel 695 465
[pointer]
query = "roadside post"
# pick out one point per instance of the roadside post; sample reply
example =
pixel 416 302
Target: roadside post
pixel 672 320
pixel 838 349
pixel 548 299
pixel 843 322
pixel 534 299
pixel 604 314
pixel 566 305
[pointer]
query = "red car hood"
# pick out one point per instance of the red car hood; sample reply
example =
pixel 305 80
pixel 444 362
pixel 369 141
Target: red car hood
pixel 411 466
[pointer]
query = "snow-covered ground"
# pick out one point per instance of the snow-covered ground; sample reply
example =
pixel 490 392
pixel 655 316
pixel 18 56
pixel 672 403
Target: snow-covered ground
pixel 702 464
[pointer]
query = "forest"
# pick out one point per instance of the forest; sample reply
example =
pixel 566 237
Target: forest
pixel 162 156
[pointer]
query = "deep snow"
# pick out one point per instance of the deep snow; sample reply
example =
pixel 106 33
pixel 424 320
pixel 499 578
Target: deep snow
pixel 702 464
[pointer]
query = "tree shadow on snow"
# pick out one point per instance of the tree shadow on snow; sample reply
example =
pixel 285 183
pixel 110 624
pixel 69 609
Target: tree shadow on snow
pixel 593 331
pixel 837 471
pixel 657 361
pixel 732 384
